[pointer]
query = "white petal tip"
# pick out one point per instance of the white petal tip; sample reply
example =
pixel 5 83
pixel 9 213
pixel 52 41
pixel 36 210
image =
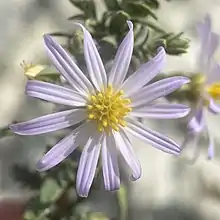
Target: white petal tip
pixel 81 26
pixel 186 112
pixel 47 39
pixel 130 24
pixel 16 129
pixel 40 166
pixel 12 127
pixel 161 49
pixel 183 79
pixel 210 155
pixel 134 178
pixel 82 194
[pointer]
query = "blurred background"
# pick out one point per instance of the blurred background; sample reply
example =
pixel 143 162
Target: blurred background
pixel 170 188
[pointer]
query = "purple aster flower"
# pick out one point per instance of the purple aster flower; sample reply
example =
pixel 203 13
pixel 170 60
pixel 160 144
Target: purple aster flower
pixel 103 106
pixel 206 84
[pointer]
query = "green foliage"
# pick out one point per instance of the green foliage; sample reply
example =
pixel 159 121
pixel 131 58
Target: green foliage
pixel 139 9
pixel 49 190
pixel 88 7
pixel 113 24
pixel 118 22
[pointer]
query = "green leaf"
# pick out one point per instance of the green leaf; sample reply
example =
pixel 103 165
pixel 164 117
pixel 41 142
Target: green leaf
pixel 118 22
pixel 75 43
pixel 60 34
pixel 110 40
pixel 149 24
pixel 112 4
pixel 49 190
pixel 175 51
pixel 152 3
pixel 175 45
pixel 179 44
pixel 164 35
pixel 174 37
pixel 138 9
pixel 88 7
pixel 158 43
pixel 96 216
pixel 142 36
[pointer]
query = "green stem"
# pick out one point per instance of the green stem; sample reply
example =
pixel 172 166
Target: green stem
pixel 122 202
pixel 149 24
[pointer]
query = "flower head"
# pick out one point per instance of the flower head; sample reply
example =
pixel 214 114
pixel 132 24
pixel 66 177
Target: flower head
pixel 104 106
pixel 206 83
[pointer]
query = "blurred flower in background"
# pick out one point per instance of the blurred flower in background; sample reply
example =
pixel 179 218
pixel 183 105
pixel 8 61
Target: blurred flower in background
pixel 205 85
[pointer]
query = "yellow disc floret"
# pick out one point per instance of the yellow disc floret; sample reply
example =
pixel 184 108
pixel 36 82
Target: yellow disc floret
pixel 198 87
pixel 108 109
pixel 214 90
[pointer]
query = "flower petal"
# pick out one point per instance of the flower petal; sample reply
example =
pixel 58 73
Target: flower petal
pixel 209 44
pixel 87 165
pixel 213 44
pixel 94 62
pixel 66 66
pixel 110 164
pixel 157 90
pixel 196 124
pixel 214 75
pixel 155 139
pixel 204 30
pixel 211 148
pixel 58 153
pixel 64 147
pixel 54 93
pixel 145 73
pixel 122 59
pixel 163 111
pixel 49 123
pixel 124 146
pixel 213 107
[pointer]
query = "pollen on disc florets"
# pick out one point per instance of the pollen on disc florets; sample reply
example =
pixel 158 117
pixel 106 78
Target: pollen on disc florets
pixel 108 109
pixel 198 86
pixel 214 90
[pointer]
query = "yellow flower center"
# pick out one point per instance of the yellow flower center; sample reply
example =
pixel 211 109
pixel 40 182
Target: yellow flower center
pixel 214 90
pixel 198 87
pixel 108 109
